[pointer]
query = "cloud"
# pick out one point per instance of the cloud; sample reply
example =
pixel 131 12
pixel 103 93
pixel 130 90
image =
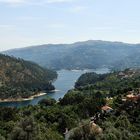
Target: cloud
pixel 78 9
pixel 105 28
pixel 29 18
pixel 131 31
pixel 57 26
pixel 58 1
pixel 12 1
pixel 6 27
pixel 33 2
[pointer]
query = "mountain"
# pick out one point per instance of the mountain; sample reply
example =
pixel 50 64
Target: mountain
pixel 20 78
pixel 131 61
pixel 80 55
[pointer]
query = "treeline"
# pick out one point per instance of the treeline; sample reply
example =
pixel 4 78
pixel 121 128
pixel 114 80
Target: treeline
pixel 89 79
pixel 112 83
pixel 48 120
pixel 20 78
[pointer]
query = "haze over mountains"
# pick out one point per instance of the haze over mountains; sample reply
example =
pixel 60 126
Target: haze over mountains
pixel 81 55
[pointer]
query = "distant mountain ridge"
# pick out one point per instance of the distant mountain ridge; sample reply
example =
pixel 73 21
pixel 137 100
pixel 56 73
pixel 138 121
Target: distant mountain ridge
pixel 81 55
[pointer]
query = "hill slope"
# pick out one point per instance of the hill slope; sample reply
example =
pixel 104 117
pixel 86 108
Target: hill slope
pixel 19 78
pixel 121 81
pixel 80 55
pixel 88 114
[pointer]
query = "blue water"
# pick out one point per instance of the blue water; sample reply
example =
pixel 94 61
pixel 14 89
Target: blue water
pixel 65 81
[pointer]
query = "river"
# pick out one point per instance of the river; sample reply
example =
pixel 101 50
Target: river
pixel 65 81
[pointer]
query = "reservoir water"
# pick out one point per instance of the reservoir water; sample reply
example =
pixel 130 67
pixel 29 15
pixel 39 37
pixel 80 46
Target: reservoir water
pixel 65 81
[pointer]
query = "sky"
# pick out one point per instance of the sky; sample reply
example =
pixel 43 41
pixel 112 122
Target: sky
pixel 35 22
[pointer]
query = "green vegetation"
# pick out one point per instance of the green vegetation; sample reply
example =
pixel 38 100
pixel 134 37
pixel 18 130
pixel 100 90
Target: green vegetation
pixel 90 54
pixel 50 119
pixel 89 79
pixel 113 84
pixel 47 102
pixel 19 78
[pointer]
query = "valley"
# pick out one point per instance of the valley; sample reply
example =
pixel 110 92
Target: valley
pixel 81 103
pixel 64 82
pixel 69 70
pixel 102 106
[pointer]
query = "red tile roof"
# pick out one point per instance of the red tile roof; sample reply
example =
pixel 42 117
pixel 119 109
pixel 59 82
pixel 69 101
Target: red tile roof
pixel 106 108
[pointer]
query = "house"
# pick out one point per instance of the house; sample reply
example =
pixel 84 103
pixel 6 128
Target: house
pixel 124 99
pixel 121 74
pixel 94 128
pixel 132 97
pixel 106 109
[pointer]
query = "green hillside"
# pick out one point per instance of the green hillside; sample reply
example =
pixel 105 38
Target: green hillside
pixel 19 78
pixel 114 83
pixel 81 112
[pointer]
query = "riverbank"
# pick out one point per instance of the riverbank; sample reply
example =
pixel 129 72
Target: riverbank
pixel 22 99
pixel 65 81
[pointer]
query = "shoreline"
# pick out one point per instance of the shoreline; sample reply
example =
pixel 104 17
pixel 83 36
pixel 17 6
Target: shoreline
pixel 22 99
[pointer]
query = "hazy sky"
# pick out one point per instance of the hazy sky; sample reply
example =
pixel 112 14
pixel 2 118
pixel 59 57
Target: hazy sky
pixel 32 22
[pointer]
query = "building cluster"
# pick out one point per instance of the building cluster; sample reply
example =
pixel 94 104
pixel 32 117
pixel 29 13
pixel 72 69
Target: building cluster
pixel 128 74
pixel 132 96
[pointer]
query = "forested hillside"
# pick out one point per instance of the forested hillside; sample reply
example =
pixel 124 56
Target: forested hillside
pixel 81 55
pixel 85 113
pixel 129 78
pixel 19 78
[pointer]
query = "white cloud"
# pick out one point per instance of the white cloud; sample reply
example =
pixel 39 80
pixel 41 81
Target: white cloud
pixel 29 18
pixel 12 1
pixel 78 9
pixel 33 2
pixel 58 1
pixel 57 25
pixel 6 27
pixel 131 31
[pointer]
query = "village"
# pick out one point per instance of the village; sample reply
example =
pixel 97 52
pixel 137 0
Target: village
pixel 131 97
